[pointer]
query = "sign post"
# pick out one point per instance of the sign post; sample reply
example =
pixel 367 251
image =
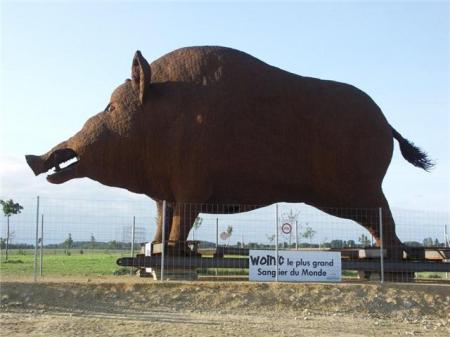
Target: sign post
pixel 276 247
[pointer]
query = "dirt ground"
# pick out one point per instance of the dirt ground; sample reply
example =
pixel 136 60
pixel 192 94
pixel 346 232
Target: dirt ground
pixel 126 306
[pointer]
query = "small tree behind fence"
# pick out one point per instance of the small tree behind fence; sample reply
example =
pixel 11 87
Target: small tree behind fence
pixel 9 208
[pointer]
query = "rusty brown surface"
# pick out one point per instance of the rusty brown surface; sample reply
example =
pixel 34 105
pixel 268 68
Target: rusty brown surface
pixel 216 125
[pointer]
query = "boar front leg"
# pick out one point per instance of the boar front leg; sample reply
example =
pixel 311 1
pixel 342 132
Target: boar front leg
pixel 183 219
pixel 159 221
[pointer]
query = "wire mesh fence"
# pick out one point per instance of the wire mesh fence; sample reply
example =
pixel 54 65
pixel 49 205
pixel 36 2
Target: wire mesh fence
pixel 79 237
pixel 86 238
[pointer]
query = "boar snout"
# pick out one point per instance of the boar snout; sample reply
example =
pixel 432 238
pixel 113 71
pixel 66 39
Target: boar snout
pixel 53 160
pixel 35 163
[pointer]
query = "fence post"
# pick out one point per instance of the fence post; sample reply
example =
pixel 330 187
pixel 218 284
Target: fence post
pixel 37 238
pixel 446 243
pixel 7 238
pixel 132 241
pixel 217 240
pixel 217 233
pixel 163 243
pixel 276 245
pixel 380 220
pixel 42 246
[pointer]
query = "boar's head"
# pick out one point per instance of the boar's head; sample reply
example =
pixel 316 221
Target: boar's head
pixel 107 148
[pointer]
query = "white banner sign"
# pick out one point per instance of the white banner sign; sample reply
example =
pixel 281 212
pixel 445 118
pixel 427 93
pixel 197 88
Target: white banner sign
pixel 295 266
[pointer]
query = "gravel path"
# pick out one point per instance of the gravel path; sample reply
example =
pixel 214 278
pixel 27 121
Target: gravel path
pixel 136 307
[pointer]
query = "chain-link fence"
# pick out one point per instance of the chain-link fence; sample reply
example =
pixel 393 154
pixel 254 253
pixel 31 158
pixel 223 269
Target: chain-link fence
pixel 88 238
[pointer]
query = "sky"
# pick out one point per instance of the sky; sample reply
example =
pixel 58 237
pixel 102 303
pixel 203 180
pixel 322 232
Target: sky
pixel 60 61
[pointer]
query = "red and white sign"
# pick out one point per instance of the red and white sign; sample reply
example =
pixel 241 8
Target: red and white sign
pixel 286 228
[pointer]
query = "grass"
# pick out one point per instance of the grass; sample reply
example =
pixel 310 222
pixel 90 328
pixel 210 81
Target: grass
pixel 103 263
pixel 56 263
pixel 432 275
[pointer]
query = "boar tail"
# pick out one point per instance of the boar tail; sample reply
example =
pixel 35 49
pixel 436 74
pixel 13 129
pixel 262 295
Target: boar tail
pixel 412 153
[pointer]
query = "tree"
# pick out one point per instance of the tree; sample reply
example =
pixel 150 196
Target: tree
pixel 92 242
pixel 68 244
pixel 227 234
pixel 351 243
pixel 337 244
pixel 309 233
pixel 270 238
pixel 364 240
pixel 113 244
pixel 427 242
pixel 9 208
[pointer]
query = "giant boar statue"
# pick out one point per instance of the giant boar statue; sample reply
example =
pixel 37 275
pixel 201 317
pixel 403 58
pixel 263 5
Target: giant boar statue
pixel 214 125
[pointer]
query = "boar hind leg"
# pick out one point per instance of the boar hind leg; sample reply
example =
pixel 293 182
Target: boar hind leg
pixel 368 217
pixel 183 219
pixel 391 242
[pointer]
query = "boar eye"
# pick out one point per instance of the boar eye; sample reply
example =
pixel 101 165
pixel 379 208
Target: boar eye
pixel 109 108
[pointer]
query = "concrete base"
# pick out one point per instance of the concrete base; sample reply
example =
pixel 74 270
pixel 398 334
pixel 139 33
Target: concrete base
pixel 188 248
pixel 173 274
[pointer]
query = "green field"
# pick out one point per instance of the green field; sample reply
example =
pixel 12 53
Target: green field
pixel 89 263
pixel 57 263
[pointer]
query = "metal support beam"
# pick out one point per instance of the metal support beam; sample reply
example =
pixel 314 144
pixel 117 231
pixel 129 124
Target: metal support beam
pixel 242 263
pixel 36 240
pixel 380 219
pixel 163 229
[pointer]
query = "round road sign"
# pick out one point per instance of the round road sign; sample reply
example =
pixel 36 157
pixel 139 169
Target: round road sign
pixel 286 228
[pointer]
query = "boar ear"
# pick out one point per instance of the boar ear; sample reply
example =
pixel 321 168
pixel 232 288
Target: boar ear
pixel 140 75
